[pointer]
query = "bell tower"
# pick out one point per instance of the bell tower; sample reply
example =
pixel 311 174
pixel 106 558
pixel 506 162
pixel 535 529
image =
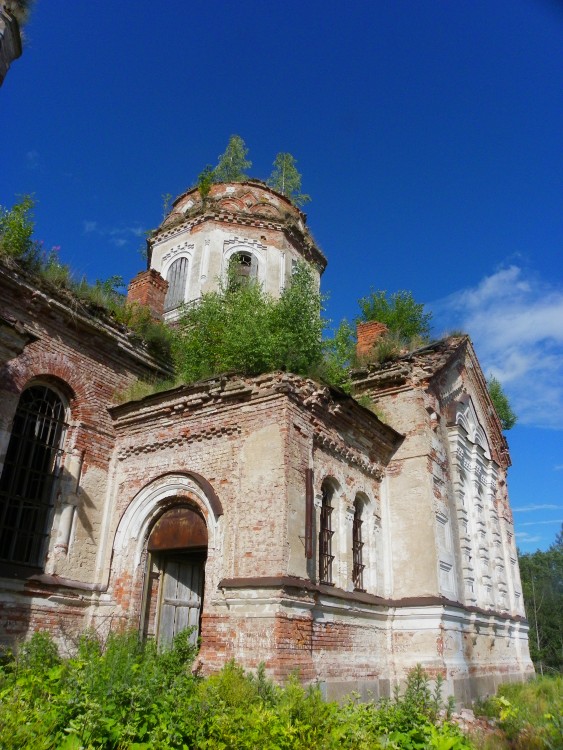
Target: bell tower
pixel 247 223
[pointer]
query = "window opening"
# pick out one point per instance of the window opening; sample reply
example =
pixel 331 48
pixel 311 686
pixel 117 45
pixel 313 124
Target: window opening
pixel 177 278
pixel 325 538
pixel 245 266
pixel 30 469
pixel 357 548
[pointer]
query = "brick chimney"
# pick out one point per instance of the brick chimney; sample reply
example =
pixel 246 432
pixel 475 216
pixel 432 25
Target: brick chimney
pixel 367 334
pixel 149 288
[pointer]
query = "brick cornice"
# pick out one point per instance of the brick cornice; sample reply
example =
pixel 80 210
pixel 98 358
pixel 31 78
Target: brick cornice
pixel 326 406
pixel 309 249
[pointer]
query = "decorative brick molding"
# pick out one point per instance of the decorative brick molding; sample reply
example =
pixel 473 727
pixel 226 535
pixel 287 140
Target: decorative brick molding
pixel 149 288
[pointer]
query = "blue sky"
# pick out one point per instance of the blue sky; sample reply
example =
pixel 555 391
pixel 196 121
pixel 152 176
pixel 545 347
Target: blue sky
pixel 428 134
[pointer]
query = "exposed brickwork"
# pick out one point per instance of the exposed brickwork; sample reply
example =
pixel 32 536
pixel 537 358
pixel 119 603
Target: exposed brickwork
pixel 253 456
pixel 149 288
pixel 367 335
pixel 87 362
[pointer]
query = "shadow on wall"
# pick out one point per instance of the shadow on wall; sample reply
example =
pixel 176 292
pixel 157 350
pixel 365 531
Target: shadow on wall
pixel 33 593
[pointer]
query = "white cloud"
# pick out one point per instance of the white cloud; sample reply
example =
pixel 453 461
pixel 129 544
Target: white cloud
pixel 515 320
pixel 541 523
pixel 531 508
pixel 32 159
pixel 527 538
pixel 118 236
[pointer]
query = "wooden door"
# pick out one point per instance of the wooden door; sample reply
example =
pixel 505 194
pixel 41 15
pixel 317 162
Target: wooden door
pixel 181 588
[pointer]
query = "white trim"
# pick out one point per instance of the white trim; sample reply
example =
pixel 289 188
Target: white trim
pixel 243 245
pixel 148 504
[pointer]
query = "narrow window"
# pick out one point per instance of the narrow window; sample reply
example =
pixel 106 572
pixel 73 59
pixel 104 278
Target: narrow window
pixel 357 548
pixel 245 266
pixel 26 485
pixel 177 278
pixel 325 538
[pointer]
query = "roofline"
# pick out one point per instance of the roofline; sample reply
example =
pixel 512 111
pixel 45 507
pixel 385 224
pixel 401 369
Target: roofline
pixel 50 297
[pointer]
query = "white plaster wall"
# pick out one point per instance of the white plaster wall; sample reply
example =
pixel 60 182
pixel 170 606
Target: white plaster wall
pixel 208 247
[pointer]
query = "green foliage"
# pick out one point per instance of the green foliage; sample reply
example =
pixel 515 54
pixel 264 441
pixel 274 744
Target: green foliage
pixel 111 694
pixel 205 179
pixel 339 356
pixel 501 403
pixel 233 163
pixel 287 180
pixel 542 585
pixel 530 714
pixel 16 231
pixel 400 313
pixel 17 243
pixel 139 389
pixel 296 324
pixel 166 203
pixel 240 328
pixel 107 295
pixel 386 348
pixel 125 694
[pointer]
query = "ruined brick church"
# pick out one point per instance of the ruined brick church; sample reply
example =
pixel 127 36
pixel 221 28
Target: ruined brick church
pixel 284 521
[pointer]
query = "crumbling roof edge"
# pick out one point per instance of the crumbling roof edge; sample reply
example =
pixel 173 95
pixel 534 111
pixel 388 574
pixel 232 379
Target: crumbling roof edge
pixel 52 297
pixel 288 385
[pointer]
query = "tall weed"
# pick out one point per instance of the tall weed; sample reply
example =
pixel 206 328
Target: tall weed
pixel 530 714
pixel 123 693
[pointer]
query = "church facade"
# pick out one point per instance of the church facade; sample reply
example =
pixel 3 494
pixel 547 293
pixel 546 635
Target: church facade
pixel 278 517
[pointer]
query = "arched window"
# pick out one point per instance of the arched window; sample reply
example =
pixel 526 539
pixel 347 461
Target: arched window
pixel 177 278
pixel 30 468
pixel 245 266
pixel 325 536
pixel 357 547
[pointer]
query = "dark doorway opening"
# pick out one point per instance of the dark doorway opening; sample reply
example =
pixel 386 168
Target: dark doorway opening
pixel 174 584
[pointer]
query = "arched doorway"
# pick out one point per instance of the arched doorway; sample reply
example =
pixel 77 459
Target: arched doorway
pixel 177 551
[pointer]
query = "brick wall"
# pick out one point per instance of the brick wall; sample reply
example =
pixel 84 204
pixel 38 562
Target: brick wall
pixel 87 362
pixel 148 288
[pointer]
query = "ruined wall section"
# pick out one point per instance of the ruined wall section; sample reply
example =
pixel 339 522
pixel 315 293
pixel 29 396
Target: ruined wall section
pixel 452 467
pixel 478 457
pixel 253 440
pixel 232 434
pixel 410 482
pixel 454 446
pixel 86 361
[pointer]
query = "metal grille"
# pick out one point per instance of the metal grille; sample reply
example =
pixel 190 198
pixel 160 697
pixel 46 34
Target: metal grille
pixel 325 539
pixel 357 547
pixel 26 485
pixel 177 278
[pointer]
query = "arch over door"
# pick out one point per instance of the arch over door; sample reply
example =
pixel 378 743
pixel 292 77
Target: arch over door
pixel 177 548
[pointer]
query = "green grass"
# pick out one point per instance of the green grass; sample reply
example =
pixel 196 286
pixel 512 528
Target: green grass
pixel 530 714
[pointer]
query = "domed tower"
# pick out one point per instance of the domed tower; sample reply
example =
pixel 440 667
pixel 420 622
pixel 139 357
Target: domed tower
pixel 245 223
